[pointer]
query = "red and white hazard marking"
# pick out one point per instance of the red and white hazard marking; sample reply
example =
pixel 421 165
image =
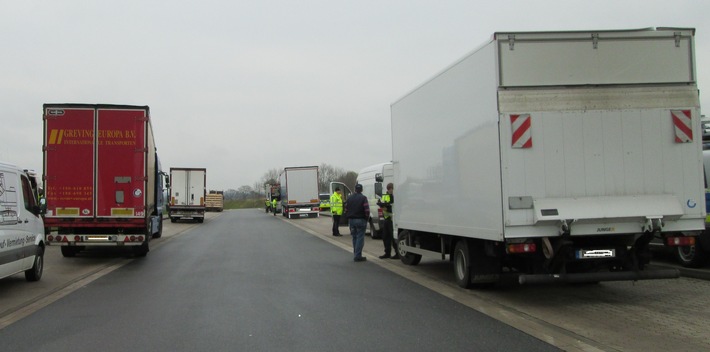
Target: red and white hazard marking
pixel 522 133
pixel 682 124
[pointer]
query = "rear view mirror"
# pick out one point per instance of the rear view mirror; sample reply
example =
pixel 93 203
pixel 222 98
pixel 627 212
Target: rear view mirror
pixel 378 188
pixel 379 177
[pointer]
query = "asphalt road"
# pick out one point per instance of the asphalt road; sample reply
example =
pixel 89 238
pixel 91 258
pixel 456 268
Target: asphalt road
pixel 246 281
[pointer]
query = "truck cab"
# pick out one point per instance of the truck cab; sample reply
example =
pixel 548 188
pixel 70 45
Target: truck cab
pixel 372 178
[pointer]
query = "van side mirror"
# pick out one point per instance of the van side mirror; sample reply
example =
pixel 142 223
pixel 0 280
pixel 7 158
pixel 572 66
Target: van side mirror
pixel 379 177
pixel 42 207
pixel 378 189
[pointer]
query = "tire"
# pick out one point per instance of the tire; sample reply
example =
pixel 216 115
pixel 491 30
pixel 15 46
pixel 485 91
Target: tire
pixel 471 263
pixel 160 229
pixel 462 264
pixel 35 272
pixel 69 252
pixel 200 220
pixel 691 256
pixel 142 250
pixel 406 257
pixel 173 219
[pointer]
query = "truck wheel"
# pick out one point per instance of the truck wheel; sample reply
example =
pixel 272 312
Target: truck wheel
pixel 35 273
pixel 472 267
pixel 462 264
pixel 160 229
pixel 200 220
pixel 69 252
pixel 691 256
pixel 142 250
pixel 406 257
pixel 173 219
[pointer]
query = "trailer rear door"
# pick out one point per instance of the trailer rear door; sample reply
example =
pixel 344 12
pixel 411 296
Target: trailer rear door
pixel 121 162
pixel 69 161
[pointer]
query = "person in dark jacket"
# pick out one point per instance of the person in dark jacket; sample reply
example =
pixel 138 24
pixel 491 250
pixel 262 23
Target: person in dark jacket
pixel 357 211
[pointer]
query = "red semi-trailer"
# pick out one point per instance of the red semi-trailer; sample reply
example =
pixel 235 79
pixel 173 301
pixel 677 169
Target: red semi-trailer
pixel 102 177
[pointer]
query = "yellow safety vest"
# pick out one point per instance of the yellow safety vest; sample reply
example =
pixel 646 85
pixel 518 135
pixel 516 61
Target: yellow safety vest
pixel 386 199
pixel 336 204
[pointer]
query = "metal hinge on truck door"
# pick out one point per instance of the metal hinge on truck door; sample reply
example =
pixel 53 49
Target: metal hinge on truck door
pixel 595 40
pixel 676 35
pixel 511 42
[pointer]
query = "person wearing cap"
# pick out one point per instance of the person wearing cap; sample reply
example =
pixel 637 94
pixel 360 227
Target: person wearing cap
pixel 357 211
pixel 336 210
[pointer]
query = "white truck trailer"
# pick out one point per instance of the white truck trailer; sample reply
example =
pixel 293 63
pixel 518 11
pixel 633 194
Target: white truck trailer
pixel 554 156
pixel 187 194
pixel 299 192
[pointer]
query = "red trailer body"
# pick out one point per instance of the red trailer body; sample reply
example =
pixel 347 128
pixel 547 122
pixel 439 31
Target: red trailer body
pixel 101 175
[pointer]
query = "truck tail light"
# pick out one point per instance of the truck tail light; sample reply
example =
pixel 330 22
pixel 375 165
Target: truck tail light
pixel 315 209
pixel 680 241
pixel 380 213
pixel 517 248
pixel 77 238
pixel 50 238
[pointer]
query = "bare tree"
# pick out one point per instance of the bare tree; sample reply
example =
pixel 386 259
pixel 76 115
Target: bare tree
pixel 349 179
pixel 269 177
pixel 327 174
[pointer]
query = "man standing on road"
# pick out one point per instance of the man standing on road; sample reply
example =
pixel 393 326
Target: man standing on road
pixel 387 232
pixel 357 211
pixel 336 210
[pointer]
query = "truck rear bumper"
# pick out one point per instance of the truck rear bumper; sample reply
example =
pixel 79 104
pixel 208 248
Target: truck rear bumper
pixel 95 240
pixel 600 276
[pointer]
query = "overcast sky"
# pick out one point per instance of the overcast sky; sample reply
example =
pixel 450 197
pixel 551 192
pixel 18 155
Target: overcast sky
pixel 241 87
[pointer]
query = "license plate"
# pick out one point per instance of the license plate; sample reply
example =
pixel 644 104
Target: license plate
pixel 97 238
pixel 596 253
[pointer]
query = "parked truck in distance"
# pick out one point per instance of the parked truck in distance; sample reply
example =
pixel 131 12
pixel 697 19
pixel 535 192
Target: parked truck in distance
pixel 102 177
pixel 214 201
pixel 553 156
pixel 187 194
pixel 299 192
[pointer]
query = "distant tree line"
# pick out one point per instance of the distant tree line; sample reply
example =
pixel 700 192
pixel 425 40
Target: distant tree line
pixel 326 174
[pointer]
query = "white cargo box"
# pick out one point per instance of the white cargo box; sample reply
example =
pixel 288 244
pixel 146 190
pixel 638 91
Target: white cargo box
pixel 535 134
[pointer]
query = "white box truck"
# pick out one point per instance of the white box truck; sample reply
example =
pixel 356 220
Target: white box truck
pixel 374 180
pixel 187 194
pixel 554 156
pixel 299 192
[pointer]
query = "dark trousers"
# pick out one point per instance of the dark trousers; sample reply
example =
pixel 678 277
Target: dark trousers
pixel 387 236
pixel 336 223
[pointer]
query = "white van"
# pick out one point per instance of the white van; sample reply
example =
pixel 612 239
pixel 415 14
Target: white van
pixel 369 177
pixel 21 226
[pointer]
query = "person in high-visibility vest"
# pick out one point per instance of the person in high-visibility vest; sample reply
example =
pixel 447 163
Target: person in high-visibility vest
pixel 336 210
pixel 274 203
pixel 267 205
pixel 387 232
